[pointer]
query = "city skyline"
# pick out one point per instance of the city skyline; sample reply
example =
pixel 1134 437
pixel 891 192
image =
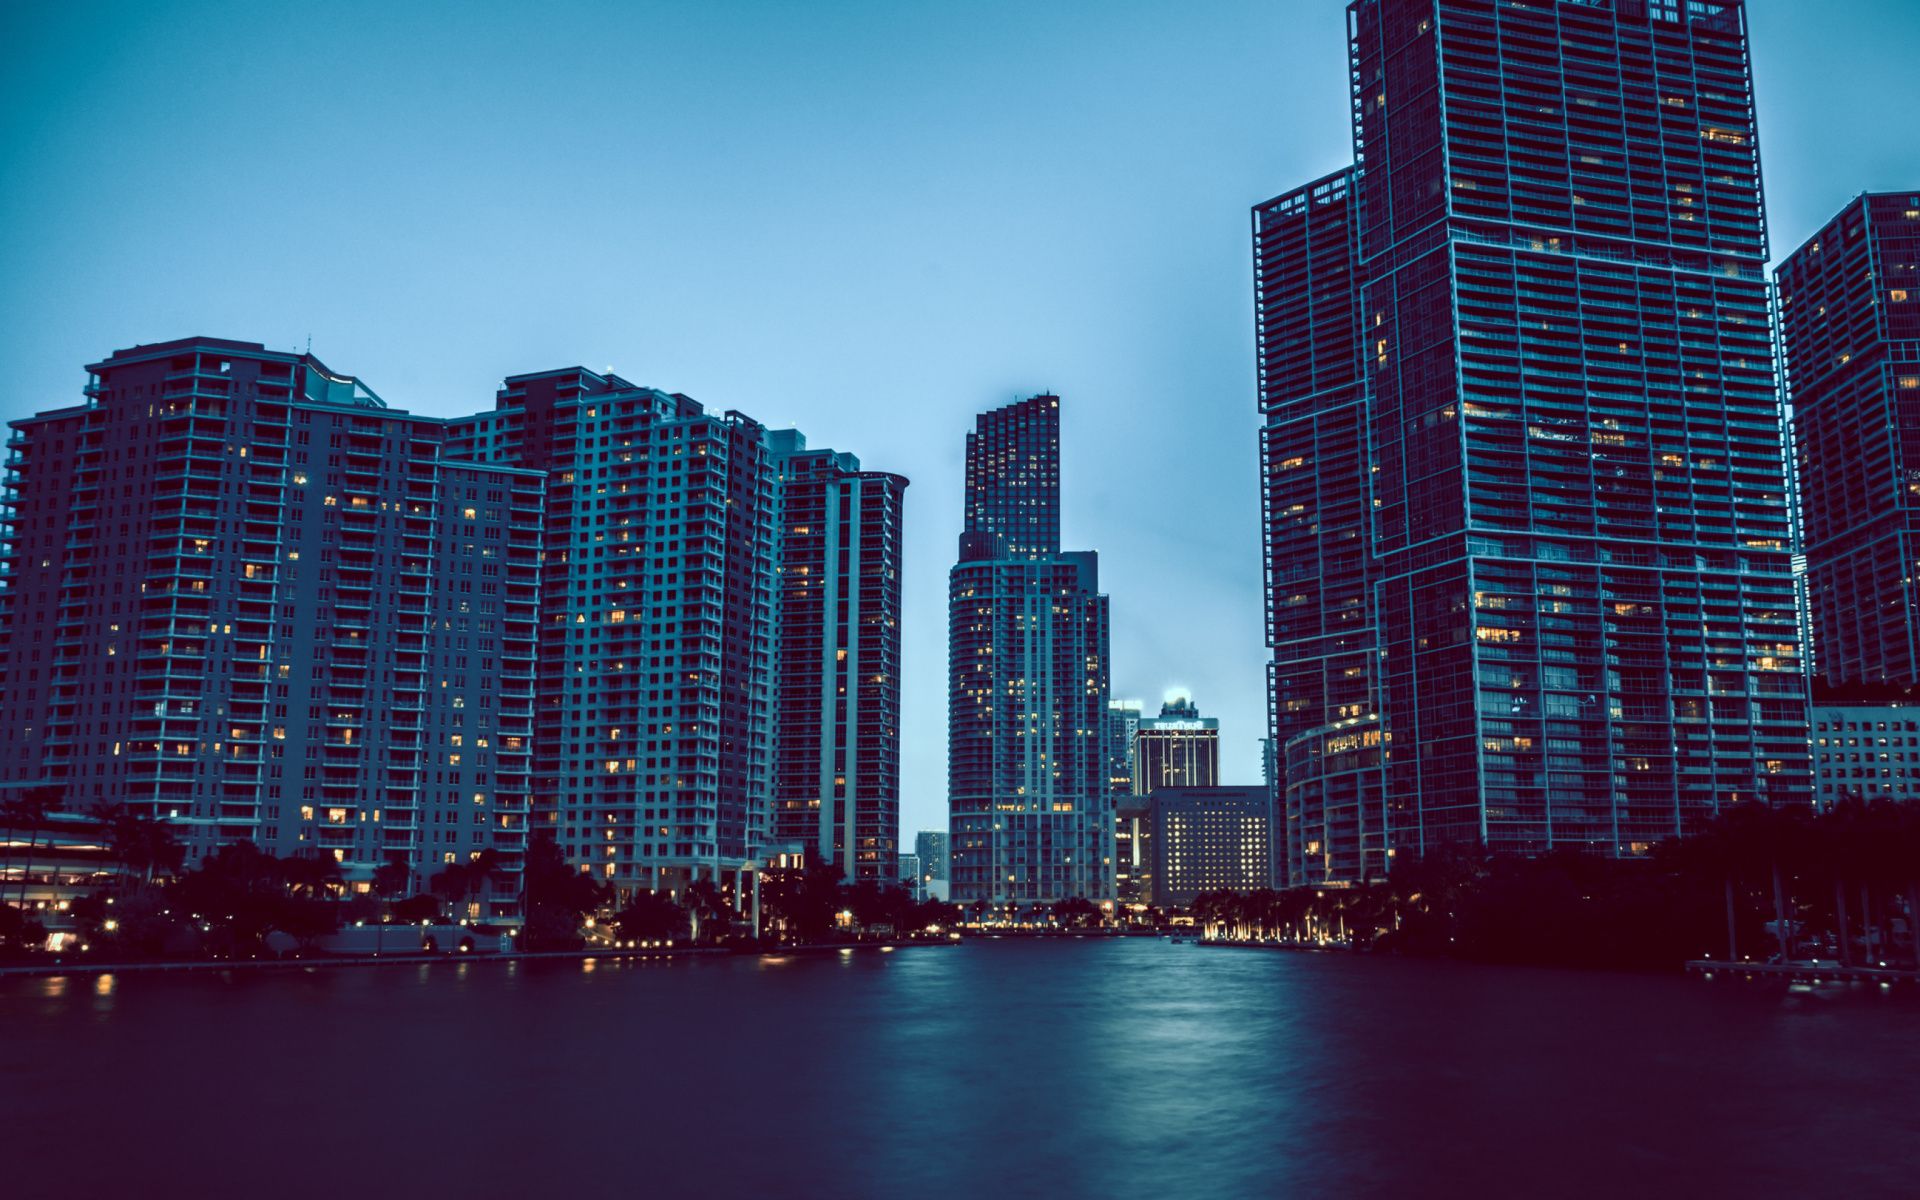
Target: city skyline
pixel 1033 184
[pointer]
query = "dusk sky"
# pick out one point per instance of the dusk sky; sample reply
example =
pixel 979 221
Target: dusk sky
pixel 868 220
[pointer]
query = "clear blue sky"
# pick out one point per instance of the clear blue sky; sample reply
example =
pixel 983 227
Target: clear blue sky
pixel 870 220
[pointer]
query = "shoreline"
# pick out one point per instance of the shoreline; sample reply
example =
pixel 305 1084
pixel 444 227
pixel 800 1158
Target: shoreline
pixel 332 962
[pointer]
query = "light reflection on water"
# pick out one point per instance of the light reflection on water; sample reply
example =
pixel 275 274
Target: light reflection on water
pixel 1077 1068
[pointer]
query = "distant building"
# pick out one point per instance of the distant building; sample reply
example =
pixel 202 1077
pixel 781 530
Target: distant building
pixel 1866 751
pixel 245 597
pixel 1850 333
pixel 910 876
pixel 1028 765
pixel 1209 839
pixel 1123 722
pixel 1133 850
pixel 930 845
pixel 1178 748
pixel 837 657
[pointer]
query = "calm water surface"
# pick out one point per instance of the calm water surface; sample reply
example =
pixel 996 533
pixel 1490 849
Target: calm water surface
pixel 993 1069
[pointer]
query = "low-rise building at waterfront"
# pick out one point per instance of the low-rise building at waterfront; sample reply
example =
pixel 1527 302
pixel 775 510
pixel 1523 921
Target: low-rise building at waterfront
pixel 1866 751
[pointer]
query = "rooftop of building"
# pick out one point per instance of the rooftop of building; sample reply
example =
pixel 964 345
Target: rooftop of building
pixel 340 388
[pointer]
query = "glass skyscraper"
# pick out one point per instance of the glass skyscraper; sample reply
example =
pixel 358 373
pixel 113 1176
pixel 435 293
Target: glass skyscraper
pixel 1576 513
pixel 1029 809
pixel 1850 330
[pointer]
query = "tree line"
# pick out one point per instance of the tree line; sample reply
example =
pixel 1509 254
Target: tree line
pixel 1756 884
pixel 229 904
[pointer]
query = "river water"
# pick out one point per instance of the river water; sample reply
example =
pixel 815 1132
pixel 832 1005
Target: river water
pixel 993 1069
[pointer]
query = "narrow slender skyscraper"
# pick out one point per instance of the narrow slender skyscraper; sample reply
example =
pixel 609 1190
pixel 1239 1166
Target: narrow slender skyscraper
pixel 837 660
pixel 1029 809
pixel 1323 713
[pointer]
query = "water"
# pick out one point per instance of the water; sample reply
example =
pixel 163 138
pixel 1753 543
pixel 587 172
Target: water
pixel 992 1069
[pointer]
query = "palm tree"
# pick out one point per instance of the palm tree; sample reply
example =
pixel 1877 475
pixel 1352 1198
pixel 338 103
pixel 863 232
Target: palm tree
pixel 28 811
pixel 391 877
pixel 143 845
pixel 458 882
pixel 314 873
pixel 706 906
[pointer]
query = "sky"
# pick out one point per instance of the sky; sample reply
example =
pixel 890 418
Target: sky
pixel 867 220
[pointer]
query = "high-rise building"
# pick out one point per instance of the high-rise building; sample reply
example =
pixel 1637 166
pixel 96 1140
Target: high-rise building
pixel 1210 839
pixel 1123 721
pixel 911 876
pixel 1584 607
pixel 245 597
pixel 931 847
pixel 837 659
pixel 1323 709
pixel 1028 767
pixel 1130 865
pixel 1178 748
pixel 1850 333
pixel 654 727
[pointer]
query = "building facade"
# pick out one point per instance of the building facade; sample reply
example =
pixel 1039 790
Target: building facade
pixel 1130 869
pixel 931 847
pixel 1583 601
pixel 1850 335
pixel 837 658
pixel 1029 810
pixel 1178 748
pixel 1317 491
pixel 1210 839
pixel 1865 751
pixel 245 597
pixel 654 728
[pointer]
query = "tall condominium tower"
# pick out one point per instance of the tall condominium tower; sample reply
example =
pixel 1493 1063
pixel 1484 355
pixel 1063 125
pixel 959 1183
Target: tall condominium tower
pixel 837 661
pixel 1584 608
pixel 1028 804
pixel 654 731
pixel 1178 748
pixel 1323 712
pixel 1850 328
pixel 245 597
